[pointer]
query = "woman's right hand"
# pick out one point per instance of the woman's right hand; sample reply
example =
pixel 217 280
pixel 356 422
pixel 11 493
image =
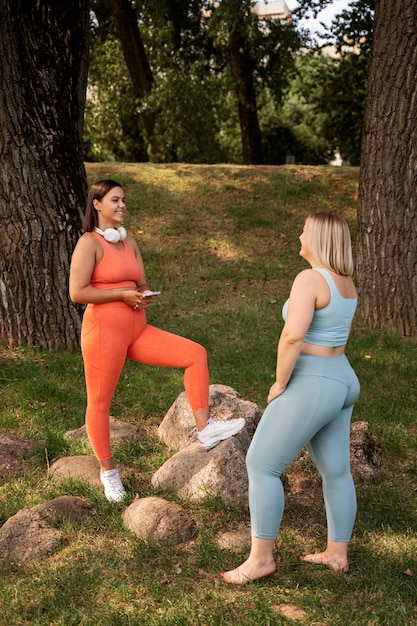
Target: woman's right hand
pixel 275 391
pixel 136 299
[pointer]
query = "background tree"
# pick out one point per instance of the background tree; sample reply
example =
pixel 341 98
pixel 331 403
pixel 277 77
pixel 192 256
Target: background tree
pixel 239 17
pixel 353 27
pixel 126 22
pixel 188 92
pixel 43 73
pixel 295 104
pixel 300 122
pixel 342 91
pixel 387 211
pixel 338 98
pixel 274 48
pixel 113 128
pixel 209 64
pixel 329 90
pixel 181 96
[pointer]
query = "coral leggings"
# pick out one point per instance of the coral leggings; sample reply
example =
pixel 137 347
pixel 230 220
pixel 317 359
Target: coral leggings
pixel 113 332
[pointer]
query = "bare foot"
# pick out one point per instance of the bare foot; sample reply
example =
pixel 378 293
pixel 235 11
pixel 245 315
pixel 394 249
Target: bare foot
pixel 248 572
pixel 322 558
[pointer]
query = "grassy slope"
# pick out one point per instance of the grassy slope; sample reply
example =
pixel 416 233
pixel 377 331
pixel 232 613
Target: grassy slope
pixel 221 243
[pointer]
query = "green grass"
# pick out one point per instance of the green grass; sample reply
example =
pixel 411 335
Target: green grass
pixel 222 245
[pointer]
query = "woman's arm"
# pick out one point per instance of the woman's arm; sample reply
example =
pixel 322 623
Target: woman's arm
pixel 301 308
pixel 82 265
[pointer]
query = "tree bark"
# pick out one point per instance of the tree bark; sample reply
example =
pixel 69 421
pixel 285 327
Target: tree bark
pixel 245 92
pixel 387 218
pixel 43 76
pixel 242 73
pixel 137 64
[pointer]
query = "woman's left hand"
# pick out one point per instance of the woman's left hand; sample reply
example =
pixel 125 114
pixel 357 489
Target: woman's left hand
pixel 144 301
pixel 275 391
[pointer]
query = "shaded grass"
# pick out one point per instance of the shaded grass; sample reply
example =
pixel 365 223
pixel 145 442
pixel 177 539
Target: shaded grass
pixel 222 244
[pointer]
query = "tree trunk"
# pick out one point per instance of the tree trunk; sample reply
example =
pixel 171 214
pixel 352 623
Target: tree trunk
pixel 387 218
pixel 245 91
pixel 43 76
pixel 137 64
pixel 242 72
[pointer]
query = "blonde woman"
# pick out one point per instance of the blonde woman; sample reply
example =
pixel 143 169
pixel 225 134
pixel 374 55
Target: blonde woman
pixel 310 403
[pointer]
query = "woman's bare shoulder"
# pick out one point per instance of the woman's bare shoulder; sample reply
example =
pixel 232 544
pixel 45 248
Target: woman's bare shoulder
pixel 306 276
pixel 88 243
pixel 133 244
pixel 89 238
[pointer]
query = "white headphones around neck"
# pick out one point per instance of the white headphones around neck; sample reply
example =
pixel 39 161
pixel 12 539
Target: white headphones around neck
pixel 112 235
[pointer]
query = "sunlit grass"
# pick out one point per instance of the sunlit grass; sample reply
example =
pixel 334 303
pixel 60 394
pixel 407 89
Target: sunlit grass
pixel 222 245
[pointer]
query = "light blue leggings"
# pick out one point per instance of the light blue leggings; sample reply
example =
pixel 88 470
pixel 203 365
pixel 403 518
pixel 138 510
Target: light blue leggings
pixel 314 411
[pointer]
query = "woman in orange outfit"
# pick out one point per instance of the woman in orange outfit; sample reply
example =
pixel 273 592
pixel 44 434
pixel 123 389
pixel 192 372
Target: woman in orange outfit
pixel 107 274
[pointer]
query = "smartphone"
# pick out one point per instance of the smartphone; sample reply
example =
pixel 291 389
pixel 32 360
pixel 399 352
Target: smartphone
pixel 152 293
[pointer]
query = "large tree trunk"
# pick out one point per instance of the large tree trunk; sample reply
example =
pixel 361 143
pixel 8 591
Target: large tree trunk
pixel 387 217
pixel 43 74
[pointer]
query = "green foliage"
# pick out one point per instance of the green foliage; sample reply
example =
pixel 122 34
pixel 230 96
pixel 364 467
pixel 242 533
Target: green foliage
pixel 339 98
pixel 112 121
pixel 329 93
pixel 350 28
pixel 189 114
pixel 292 130
pixel 324 106
pixel 192 96
pixel 308 104
pixel 353 28
pixel 275 46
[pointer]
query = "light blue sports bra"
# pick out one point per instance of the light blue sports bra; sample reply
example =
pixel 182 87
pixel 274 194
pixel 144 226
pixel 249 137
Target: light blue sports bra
pixel 330 325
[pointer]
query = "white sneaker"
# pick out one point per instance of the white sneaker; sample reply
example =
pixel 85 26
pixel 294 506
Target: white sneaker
pixel 216 431
pixel 113 487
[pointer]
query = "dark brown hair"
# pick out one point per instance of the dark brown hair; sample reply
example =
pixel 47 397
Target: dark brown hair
pixel 97 192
